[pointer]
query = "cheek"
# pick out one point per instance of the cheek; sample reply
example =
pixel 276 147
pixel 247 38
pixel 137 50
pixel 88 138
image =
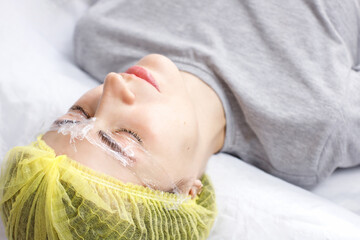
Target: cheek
pixel 169 129
pixel 176 140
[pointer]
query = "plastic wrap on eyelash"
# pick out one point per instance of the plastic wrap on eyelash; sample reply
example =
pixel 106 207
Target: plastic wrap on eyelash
pixel 83 129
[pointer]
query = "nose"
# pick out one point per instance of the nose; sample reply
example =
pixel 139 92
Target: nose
pixel 115 96
pixel 115 87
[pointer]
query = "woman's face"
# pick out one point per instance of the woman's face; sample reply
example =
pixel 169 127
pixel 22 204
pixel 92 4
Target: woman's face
pixel 159 118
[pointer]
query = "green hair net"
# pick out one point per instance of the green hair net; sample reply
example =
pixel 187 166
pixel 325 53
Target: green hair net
pixel 44 196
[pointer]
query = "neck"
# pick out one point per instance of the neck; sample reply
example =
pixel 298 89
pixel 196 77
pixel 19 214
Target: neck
pixel 210 115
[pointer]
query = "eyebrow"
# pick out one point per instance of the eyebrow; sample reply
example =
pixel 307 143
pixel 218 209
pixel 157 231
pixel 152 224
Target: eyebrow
pixel 64 121
pixel 111 143
pixel 106 139
pixel 81 109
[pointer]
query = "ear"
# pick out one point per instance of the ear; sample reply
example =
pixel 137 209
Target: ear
pixel 195 188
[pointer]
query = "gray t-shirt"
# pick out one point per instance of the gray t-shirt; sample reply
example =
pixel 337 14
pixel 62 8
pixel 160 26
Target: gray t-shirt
pixel 287 72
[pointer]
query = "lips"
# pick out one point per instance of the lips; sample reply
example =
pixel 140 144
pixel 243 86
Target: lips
pixel 143 74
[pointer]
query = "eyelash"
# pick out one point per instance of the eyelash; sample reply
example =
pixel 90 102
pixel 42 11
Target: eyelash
pixel 134 134
pixel 83 112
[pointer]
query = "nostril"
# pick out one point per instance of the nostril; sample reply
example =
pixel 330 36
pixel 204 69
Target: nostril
pixel 128 97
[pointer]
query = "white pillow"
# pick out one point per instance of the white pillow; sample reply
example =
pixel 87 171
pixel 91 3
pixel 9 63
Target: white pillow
pixel 39 80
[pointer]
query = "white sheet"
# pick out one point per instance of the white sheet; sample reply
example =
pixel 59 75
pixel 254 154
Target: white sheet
pixel 39 81
pixel 255 205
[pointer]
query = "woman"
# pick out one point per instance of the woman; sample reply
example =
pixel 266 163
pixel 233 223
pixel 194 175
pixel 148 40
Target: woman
pixel 287 73
pixel 92 176
pixel 154 104
pixel 283 75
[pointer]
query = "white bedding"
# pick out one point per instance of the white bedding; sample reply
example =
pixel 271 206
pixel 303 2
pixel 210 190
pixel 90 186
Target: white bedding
pixel 39 81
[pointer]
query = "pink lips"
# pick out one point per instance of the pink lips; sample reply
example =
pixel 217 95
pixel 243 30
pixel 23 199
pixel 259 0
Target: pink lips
pixel 143 74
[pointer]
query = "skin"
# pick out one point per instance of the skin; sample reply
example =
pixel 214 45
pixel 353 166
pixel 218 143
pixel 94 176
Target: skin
pixel 180 126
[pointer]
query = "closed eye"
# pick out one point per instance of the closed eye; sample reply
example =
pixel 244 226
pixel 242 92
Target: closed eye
pixel 81 109
pixel 134 134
